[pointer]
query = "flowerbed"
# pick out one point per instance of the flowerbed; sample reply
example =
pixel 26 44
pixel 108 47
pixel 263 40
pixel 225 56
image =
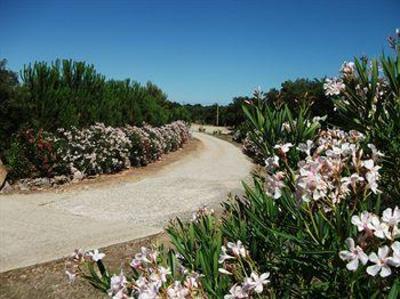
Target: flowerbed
pixel 98 149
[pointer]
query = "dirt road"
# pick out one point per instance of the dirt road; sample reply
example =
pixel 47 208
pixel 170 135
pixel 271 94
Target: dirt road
pixel 44 226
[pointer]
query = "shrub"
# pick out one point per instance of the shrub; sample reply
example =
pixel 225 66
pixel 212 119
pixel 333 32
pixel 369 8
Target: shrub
pixel 367 97
pixel 94 150
pixel 269 127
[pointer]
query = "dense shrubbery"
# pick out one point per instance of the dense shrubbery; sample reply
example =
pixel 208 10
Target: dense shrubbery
pixel 66 93
pixel 322 222
pixel 94 150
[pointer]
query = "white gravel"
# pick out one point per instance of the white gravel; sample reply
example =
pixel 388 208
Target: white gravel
pixel 44 226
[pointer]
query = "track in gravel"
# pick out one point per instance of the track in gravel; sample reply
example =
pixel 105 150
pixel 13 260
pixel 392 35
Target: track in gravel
pixel 41 227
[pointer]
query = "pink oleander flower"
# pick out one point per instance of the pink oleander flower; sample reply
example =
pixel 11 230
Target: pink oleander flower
pixel 375 153
pixel 354 255
pixel 381 262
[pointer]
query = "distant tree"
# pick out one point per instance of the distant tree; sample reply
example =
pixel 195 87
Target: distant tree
pixel 302 92
pixel 12 115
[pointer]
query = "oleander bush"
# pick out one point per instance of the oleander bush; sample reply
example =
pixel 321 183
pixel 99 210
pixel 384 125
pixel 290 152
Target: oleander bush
pixel 269 126
pixel 367 97
pixel 323 221
pixel 90 151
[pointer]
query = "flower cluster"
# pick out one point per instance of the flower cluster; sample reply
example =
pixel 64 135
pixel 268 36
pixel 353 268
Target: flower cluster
pixel 102 149
pixel 335 165
pixel 333 86
pixel 202 212
pixel 235 260
pixel 151 279
pixel 379 233
pixel 156 281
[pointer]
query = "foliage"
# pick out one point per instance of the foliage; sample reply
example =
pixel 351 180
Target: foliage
pixel 302 93
pixel 268 127
pixel 367 97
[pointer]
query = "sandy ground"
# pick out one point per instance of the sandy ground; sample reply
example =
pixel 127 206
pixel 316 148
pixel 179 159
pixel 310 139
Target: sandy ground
pixel 40 227
pixel 210 129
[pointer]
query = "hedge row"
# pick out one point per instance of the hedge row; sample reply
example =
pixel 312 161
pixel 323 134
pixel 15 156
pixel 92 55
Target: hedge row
pixel 94 150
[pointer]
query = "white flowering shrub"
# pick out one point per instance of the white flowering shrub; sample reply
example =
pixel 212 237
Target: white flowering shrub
pixel 367 98
pixel 97 149
pixel 153 274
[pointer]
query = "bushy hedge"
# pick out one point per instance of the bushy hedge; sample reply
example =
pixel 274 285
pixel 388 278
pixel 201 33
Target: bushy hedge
pixel 94 150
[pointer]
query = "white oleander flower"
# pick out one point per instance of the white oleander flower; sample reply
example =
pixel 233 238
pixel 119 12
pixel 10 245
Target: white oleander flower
pixel 236 292
pixel 354 255
pixel 96 255
pixel 306 147
pixel 391 217
pixel 71 276
pixel 284 148
pixel 117 284
pixel 224 255
pixel 380 229
pixel 274 184
pixel 381 262
pixel 348 68
pixel 333 86
pixel 272 162
pixel 362 222
pixel 177 291
pixel 372 175
pixel 163 273
pixel 237 249
pixel 258 281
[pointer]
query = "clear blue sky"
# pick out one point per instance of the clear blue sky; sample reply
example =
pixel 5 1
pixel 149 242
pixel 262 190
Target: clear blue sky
pixel 199 51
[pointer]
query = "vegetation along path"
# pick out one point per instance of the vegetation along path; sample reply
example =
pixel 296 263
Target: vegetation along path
pixel 44 226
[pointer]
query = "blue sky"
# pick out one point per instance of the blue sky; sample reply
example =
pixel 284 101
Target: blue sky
pixel 199 51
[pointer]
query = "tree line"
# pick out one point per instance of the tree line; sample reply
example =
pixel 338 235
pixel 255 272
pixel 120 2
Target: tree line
pixel 68 93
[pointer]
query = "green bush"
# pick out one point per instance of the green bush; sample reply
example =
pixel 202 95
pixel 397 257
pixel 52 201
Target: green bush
pixel 367 97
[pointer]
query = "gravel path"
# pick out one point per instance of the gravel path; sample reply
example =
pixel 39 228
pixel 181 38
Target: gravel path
pixel 45 226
